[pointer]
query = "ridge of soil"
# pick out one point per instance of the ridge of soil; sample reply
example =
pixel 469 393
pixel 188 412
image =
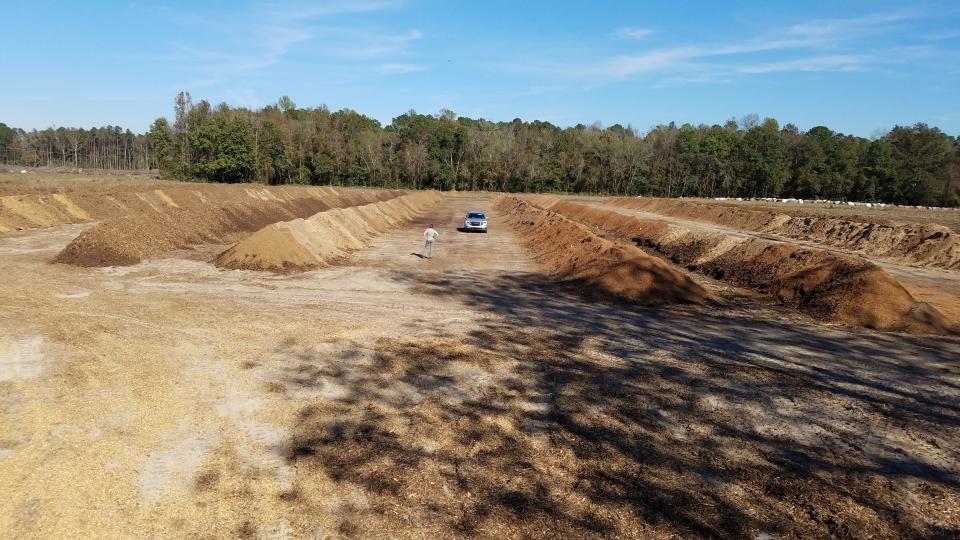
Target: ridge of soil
pixel 919 244
pixel 130 239
pixel 826 285
pixel 59 204
pixel 327 236
pixel 570 250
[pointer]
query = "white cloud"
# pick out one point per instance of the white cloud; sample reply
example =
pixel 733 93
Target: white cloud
pixel 656 60
pixel 834 29
pixel 818 63
pixel 399 69
pixel 825 45
pixel 362 44
pixel 313 10
pixel 249 41
pixel 636 33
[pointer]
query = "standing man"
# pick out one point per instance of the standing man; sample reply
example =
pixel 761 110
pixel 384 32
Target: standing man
pixel 429 236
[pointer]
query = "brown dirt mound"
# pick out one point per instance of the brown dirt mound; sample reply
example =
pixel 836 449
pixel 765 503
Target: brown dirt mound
pixel 95 202
pixel 130 239
pixel 572 251
pixel 825 285
pixel 912 243
pixel 325 237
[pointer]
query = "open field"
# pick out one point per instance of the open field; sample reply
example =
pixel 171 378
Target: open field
pixel 551 378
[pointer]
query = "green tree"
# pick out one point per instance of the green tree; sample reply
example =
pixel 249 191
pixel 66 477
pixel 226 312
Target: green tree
pixel 922 157
pixel 223 149
pixel 809 168
pixel 161 136
pixel 762 160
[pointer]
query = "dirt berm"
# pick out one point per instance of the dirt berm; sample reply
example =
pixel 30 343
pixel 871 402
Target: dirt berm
pixel 911 243
pixel 129 239
pixel 570 250
pixel 324 238
pixel 79 204
pixel 823 284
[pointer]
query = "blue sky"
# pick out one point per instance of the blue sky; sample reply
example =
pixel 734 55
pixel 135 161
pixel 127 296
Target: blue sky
pixel 857 66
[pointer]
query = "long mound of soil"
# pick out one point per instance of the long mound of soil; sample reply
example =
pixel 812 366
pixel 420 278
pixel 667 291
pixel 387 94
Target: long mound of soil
pixel 823 284
pixel 571 251
pixel 132 238
pixel 94 202
pixel 324 238
pixel 911 243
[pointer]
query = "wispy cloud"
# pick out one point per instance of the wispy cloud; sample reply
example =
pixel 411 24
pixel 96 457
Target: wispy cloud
pixel 843 62
pixel 312 10
pixel 820 45
pixel 399 69
pixel 636 33
pixel 249 41
pixel 362 44
pixel 942 36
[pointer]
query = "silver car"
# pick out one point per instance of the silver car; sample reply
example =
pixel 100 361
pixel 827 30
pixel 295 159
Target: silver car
pixel 475 221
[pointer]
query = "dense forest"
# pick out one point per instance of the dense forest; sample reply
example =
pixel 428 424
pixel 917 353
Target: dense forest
pixel 109 147
pixel 283 143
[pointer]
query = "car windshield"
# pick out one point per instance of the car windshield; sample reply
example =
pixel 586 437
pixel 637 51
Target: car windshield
pixel 475 215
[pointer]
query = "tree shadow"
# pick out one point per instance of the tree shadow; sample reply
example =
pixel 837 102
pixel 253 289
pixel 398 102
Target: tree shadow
pixel 560 417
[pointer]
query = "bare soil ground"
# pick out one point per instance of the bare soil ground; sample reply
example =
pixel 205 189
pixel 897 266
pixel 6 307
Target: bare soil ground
pixel 467 395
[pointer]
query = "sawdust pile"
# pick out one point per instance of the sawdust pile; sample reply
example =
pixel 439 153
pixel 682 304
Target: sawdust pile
pixel 84 203
pixel 129 239
pixel 912 243
pixel 324 238
pixel 823 284
pixel 572 251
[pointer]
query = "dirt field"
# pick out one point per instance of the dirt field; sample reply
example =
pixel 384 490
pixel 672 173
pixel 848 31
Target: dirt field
pixel 476 394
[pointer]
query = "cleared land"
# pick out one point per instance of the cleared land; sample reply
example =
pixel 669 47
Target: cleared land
pixel 505 388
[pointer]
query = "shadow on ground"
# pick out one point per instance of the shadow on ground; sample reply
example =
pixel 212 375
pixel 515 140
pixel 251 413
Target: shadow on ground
pixel 558 417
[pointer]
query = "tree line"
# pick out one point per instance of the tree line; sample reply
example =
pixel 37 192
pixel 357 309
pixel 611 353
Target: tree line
pixel 108 147
pixel 283 143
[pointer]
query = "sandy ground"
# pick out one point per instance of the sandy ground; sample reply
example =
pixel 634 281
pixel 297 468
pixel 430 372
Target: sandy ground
pixel 465 395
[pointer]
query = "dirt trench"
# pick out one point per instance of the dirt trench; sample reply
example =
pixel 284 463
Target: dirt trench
pixel 825 285
pixel 326 237
pixel 918 244
pixel 130 239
